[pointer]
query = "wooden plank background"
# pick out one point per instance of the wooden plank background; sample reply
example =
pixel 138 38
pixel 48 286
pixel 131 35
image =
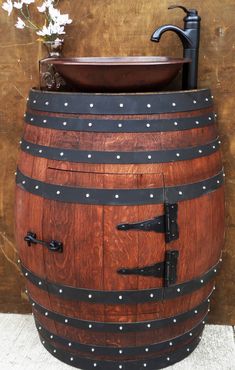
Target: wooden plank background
pixel 114 28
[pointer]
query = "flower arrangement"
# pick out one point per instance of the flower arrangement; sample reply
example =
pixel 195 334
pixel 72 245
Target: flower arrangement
pixel 53 27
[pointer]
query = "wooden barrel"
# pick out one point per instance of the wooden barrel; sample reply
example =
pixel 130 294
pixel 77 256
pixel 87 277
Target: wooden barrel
pixel 120 224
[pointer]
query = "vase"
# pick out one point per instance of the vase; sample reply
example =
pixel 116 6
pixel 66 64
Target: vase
pixel 54 48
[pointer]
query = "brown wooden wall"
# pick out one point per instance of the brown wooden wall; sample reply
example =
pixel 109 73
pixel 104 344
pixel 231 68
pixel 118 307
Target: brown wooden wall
pixel 112 28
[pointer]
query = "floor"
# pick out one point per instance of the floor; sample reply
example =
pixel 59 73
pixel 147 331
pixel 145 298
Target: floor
pixel 21 349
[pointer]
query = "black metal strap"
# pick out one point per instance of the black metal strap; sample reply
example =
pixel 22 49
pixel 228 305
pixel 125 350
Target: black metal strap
pixel 68 123
pixel 120 351
pixel 122 296
pixel 120 327
pixel 151 363
pixel 86 156
pixel 171 194
pixel 85 103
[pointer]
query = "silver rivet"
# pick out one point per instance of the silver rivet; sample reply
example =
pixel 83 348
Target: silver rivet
pixel 90 296
pixel 118 157
pixel 32 119
pixel 36 187
pixel 220 260
pixel 44 121
pixel 40 328
pixel 94 364
pixel 151 295
pixel 188 349
pixel 58 192
pixel 180 193
pixel 120 297
pixel 51 336
pixel 121 105
pixel 27 147
pixel 69 344
pixel 35 101
pixel 215 270
pixel 66 321
pixel 15 173
pixel 27 99
pixel 33 304
pixel 93 350
pixel 18 261
pixel 43 342
pixel 194 102
pixel 64 123
pixel 203 322
pixel 178 290
pixel 119 125
pixel 212 97
pixel 168 358
pixel 26 291
pixel 200 338
pixel 197 122
pixel 116 196
pixel 173 104
pixel 61 154
pixel 206 99
pixel 204 187
pixel 25 115
pixel 195 311
pixel 174 320
pixel 66 104
pixel 146 349
pixel 87 195
pixel 209 118
pixel 199 151
pixel 208 310
pixel 176 123
pixel 177 154
pixel 46 313
pixel 191 334
pixel 213 146
pixel 170 344
pixel 208 300
pixel 223 174
pixel 90 326
pixel 149 157
pixel 40 151
pixel 216 115
pixel 120 366
pixel 120 351
pixel 90 124
pixel 54 350
pixel 47 103
pixel 71 358
pixel 149 105
pixel 89 156
pixel 26 274
pixel 120 328
pixel 39 283
pixel 151 195
pixel 23 182
pixel 218 181
pixel 149 326
pixel 202 281
pixel 148 125
pixel 91 105
pixel 144 365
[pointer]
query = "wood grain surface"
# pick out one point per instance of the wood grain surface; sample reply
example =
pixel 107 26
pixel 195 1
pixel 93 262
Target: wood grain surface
pixel 108 28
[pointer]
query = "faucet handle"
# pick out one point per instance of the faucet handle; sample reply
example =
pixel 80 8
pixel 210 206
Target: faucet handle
pixel 189 12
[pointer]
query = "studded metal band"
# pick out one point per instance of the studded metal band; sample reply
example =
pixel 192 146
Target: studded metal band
pixel 122 296
pixel 151 363
pixel 164 102
pixel 82 156
pixel 68 123
pixel 117 327
pixel 121 351
pixel 171 194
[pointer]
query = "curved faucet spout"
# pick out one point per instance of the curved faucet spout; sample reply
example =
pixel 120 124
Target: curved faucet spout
pixel 186 41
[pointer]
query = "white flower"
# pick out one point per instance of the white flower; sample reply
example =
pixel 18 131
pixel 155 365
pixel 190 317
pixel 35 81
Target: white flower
pixel 20 24
pixel 56 16
pixel 20 3
pixel 51 29
pixel 8 6
pixel 46 4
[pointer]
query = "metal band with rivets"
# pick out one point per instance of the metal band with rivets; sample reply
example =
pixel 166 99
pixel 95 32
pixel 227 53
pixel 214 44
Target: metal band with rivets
pixel 169 194
pixel 120 351
pixel 68 123
pixel 120 296
pixel 146 103
pixel 120 327
pixel 84 156
pixel 151 363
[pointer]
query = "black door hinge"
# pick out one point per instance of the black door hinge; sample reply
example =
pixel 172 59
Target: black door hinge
pixel 53 245
pixel 166 223
pixel 166 269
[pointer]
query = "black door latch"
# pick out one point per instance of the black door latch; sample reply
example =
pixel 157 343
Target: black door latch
pixel 162 224
pixel 166 269
pixel 53 246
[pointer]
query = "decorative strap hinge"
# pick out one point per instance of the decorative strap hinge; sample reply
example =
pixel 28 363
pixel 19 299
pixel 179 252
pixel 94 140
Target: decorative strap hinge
pixel 52 246
pixel 166 223
pixel 166 269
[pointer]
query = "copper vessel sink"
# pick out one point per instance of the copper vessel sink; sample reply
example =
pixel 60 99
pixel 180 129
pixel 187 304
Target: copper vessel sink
pixel 118 74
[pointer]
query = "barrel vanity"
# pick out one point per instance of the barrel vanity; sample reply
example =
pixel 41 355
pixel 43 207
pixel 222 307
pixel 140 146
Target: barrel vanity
pixel 120 223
